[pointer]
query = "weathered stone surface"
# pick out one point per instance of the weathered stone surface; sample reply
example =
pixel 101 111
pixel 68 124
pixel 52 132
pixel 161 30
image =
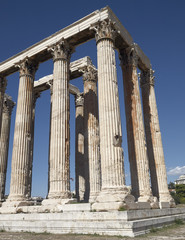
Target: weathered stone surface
pixel 82 207
pixel 4 142
pixel 122 223
pixel 22 133
pixel 112 165
pixel 35 96
pixel 138 158
pixel 3 83
pixel 154 141
pixel 59 179
pixel 103 184
pixel 91 135
pixel 79 148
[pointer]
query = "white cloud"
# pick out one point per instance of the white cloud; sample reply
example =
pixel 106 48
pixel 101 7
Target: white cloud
pixel 177 171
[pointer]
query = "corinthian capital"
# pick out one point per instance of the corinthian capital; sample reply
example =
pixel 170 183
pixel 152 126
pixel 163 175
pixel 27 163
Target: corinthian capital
pixel 129 57
pixel 8 104
pixel 79 100
pixel 61 50
pixel 147 78
pixel 3 84
pixel 104 30
pixel 27 67
pixel 89 73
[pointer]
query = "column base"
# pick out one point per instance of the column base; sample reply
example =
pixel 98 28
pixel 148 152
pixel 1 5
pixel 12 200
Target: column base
pixel 93 197
pixel 166 201
pixel 114 199
pixel 59 195
pixel 147 202
pixel 14 201
pixel 15 204
pixel 58 201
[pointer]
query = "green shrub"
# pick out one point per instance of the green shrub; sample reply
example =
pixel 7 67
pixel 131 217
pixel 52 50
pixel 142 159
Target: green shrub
pixel 153 230
pixel 175 197
pixel 182 200
pixel 179 221
pixel 122 209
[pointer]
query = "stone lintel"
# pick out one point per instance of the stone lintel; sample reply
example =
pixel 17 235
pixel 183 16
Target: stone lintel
pixel 123 33
pixel 77 33
pixel 41 84
pixel 144 62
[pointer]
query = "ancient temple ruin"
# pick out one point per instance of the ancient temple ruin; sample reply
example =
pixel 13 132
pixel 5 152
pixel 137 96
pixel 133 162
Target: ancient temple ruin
pixel 99 163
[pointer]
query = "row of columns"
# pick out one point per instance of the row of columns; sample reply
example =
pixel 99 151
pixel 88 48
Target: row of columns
pixel 102 179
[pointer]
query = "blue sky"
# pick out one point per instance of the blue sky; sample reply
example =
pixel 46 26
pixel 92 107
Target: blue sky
pixel 157 26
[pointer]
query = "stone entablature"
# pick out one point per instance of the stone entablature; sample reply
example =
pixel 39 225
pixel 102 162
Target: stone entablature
pixel 77 33
pixel 75 72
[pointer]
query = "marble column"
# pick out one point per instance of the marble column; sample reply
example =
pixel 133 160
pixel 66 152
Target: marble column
pixel 153 138
pixel 114 194
pixel 138 158
pixel 3 83
pixel 22 132
pixel 59 178
pixel 91 134
pixel 50 85
pixel 79 148
pixel 35 96
pixel 4 142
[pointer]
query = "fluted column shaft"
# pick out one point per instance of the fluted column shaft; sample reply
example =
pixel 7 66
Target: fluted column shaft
pixel 50 84
pixel 4 142
pixel 138 158
pixel 35 96
pixel 91 134
pixel 79 149
pixel 2 91
pixel 22 133
pixel 59 179
pixel 153 137
pixel 112 164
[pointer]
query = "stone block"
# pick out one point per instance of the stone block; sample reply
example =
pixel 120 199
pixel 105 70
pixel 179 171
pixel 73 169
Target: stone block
pixel 107 206
pixel 144 205
pixel 83 207
pixel 58 201
pixel 122 223
pixel 164 205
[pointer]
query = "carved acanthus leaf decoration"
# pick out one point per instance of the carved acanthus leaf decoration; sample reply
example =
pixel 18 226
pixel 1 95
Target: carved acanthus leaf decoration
pixel 8 104
pixel 61 50
pixel 129 57
pixel 27 67
pixel 89 73
pixel 104 30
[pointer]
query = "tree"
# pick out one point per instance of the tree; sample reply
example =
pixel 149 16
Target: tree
pixel 171 185
pixel 180 192
pixel 175 197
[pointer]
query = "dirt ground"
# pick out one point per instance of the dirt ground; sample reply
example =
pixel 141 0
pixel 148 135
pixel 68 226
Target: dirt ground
pixel 173 232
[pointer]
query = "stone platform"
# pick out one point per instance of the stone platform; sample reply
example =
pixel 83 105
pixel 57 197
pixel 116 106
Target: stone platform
pixel 123 223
